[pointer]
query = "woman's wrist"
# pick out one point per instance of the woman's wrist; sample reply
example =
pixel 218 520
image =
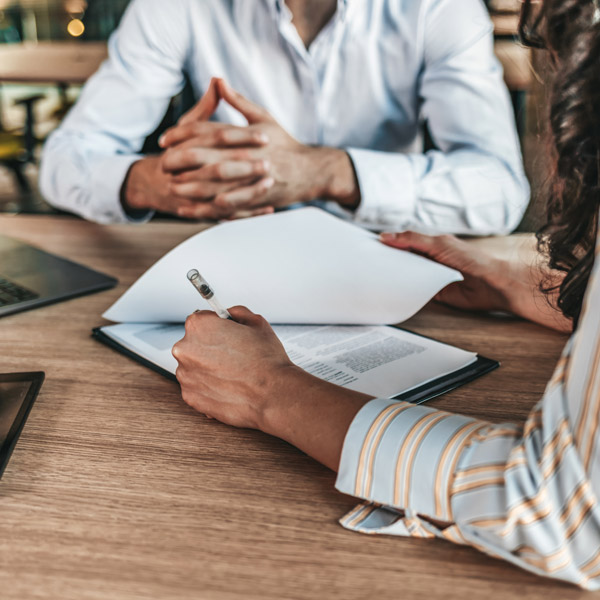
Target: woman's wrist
pixel 520 285
pixel 499 277
pixel 310 413
pixel 286 384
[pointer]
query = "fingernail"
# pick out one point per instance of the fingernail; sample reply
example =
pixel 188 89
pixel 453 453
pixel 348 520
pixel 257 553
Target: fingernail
pixel 265 166
pixel 267 183
pixel 387 237
pixel 161 140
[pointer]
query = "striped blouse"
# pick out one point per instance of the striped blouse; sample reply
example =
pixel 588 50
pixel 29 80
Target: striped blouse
pixel 526 494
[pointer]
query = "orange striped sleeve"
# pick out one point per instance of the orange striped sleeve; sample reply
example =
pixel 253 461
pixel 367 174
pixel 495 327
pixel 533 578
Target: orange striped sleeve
pixel 528 494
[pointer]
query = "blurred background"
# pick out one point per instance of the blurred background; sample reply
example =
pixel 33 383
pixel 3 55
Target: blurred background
pixel 49 48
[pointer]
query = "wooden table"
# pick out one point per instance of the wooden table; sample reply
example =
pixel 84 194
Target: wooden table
pixel 65 63
pixel 118 490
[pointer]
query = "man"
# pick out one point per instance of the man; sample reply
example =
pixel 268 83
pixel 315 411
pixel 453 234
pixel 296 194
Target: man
pixel 334 93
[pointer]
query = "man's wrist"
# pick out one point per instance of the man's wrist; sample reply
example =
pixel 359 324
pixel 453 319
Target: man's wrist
pixel 335 176
pixel 134 191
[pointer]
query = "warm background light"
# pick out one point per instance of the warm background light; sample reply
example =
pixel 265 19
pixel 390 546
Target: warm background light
pixel 75 28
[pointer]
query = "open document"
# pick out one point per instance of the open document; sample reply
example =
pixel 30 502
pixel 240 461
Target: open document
pixel 296 267
pixel 380 361
pixel 330 288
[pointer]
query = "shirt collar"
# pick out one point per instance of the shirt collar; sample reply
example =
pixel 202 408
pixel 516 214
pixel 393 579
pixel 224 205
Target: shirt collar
pixel 279 9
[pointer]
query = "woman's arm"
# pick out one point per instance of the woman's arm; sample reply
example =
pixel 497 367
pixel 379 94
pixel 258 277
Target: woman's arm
pixel 239 373
pixel 527 495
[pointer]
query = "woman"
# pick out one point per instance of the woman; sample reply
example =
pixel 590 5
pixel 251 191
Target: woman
pixel 527 494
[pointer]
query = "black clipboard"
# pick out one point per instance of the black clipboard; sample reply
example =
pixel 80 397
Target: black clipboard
pixel 418 395
pixel 99 335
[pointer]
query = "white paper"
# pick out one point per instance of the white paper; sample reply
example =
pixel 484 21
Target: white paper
pixel 301 267
pixel 380 361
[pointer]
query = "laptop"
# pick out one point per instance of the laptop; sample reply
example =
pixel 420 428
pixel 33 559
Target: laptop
pixel 30 277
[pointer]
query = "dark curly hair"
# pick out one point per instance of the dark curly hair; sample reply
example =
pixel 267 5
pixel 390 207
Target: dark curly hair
pixel 571 32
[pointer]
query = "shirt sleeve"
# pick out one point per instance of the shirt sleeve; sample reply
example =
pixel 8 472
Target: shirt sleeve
pixel 527 494
pixel 86 159
pixel 474 182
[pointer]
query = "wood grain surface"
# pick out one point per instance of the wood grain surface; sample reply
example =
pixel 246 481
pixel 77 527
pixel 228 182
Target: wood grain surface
pixel 118 490
pixel 51 62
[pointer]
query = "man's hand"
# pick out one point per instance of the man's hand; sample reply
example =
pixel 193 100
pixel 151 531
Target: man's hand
pixel 213 159
pixel 272 168
pixel 149 187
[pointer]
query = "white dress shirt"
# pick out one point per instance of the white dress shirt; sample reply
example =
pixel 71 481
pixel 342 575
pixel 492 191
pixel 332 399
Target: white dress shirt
pixel 370 78
pixel 525 493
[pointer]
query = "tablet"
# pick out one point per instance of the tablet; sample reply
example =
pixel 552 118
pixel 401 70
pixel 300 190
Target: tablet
pixel 18 392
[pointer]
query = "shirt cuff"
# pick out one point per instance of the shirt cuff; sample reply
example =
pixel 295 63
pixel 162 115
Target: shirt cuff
pixel 108 175
pixel 403 457
pixel 387 186
pixel 371 518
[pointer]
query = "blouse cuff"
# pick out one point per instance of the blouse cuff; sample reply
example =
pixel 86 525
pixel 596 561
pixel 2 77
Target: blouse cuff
pixel 401 457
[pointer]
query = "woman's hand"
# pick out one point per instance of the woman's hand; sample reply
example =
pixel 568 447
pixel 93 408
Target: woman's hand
pixel 490 284
pixel 239 373
pixel 229 370
pixel 485 282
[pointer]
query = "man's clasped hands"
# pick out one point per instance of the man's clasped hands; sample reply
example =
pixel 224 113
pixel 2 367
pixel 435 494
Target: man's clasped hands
pixel 211 170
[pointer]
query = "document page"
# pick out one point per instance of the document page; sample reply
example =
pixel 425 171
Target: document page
pixel 380 361
pixel 376 360
pixel 300 266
